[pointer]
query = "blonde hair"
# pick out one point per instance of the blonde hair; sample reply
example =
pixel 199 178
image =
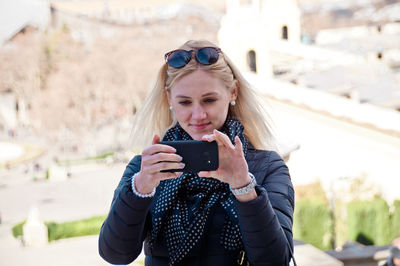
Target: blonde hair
pixel 154 117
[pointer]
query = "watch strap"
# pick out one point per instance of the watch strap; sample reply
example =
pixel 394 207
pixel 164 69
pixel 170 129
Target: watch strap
pixel 246 189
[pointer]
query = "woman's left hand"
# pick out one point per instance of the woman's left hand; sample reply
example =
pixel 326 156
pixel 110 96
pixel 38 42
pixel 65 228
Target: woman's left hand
pixel 233 167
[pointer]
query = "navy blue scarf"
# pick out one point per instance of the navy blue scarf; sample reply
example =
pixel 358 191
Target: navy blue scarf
pixel 182 205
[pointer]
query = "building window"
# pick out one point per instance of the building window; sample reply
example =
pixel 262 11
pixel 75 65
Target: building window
pixel 251 61
pixel 285 32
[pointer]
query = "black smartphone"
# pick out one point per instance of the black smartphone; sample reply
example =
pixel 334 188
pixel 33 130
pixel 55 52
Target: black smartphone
pixel 197 155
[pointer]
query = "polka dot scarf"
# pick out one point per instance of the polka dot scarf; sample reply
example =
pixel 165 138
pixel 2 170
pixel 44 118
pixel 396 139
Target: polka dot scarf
pixel 182 205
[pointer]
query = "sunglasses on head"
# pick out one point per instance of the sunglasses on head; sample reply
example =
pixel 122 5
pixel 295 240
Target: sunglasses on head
pixel 205 56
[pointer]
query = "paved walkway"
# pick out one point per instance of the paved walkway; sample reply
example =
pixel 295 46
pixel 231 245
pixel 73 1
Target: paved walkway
pixel 87 193
pixel 80 251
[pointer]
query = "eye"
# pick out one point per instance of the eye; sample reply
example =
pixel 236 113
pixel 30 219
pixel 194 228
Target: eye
pixel 184 102
pixel 209 100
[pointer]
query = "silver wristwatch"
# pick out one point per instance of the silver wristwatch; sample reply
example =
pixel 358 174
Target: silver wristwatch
pixel 246 189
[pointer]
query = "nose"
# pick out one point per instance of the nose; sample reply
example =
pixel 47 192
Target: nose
pixel 198 112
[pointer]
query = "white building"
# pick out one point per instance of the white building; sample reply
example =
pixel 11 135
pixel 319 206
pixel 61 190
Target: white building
pixel 249 27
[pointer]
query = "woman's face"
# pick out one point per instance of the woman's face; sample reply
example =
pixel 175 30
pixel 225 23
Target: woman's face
pixel 200 102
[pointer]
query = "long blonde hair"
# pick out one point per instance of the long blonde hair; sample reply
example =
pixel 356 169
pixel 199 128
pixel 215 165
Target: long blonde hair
pixel 154 117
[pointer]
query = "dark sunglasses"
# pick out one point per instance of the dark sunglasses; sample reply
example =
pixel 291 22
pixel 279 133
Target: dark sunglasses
pixel 205 56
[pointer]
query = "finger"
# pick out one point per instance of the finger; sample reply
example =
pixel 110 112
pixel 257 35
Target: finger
pixel 223 139
pixel 156 148
pixel 238 143
pixel 162 157
pixel 155 168
pixel 178 174
pixel 156 139
pixel 158 167
pixel 217 139
pixel 207 173
pixel 209 137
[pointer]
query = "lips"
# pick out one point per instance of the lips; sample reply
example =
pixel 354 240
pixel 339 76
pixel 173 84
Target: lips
pixel 200 126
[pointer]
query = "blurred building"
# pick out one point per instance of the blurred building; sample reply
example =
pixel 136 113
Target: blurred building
pixel 88 20
pixel 249 28
pixel 16 15
pixel 13 110
pixel 366 69
pixel 361 62
pixel 133 12
pixel 377 81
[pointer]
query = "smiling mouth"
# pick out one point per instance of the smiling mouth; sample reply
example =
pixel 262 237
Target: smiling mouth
pixel 200 126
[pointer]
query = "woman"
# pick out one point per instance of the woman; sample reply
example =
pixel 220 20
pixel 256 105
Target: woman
pixel 394 257
pixel 240 214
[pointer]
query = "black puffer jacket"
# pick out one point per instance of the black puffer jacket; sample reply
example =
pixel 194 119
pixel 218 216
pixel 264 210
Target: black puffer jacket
pixel 265 222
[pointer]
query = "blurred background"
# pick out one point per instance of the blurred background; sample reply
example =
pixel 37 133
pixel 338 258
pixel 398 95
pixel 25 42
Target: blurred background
pixel 73 74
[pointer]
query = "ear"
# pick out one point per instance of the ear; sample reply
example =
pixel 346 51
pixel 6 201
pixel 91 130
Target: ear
pixel 235 89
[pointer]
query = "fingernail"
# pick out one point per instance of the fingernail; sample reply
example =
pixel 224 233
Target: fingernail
pixel 182 165
pixel 180 158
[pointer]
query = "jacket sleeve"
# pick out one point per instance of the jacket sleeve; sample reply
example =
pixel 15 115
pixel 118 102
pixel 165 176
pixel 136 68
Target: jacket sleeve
pixel 266 222
pixel 123 231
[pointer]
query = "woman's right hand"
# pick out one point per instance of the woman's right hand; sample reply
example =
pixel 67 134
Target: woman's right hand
pixel 155 158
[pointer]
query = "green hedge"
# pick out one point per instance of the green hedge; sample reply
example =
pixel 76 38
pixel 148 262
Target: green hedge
pixel 17 229
pixel 313 223
pixel 395 219
pixel 369 222
pixel 90 226
pixel 86 159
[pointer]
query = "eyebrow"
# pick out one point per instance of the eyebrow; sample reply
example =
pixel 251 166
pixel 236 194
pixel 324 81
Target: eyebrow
pixel 204 95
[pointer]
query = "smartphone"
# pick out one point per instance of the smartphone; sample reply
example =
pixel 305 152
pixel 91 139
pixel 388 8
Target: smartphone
pixel 197 155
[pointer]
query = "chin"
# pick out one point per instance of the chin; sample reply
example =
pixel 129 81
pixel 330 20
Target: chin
pixel 197 136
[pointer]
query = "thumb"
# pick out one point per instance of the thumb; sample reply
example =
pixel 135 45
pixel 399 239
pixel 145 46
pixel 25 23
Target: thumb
pixel 156 139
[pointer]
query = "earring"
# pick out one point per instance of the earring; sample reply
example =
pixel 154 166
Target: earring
pixel 171 108
pixel 233 103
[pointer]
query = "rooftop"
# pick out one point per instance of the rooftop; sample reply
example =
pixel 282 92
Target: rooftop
pixel 17 14
pixel 366 114
pixel 339 71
